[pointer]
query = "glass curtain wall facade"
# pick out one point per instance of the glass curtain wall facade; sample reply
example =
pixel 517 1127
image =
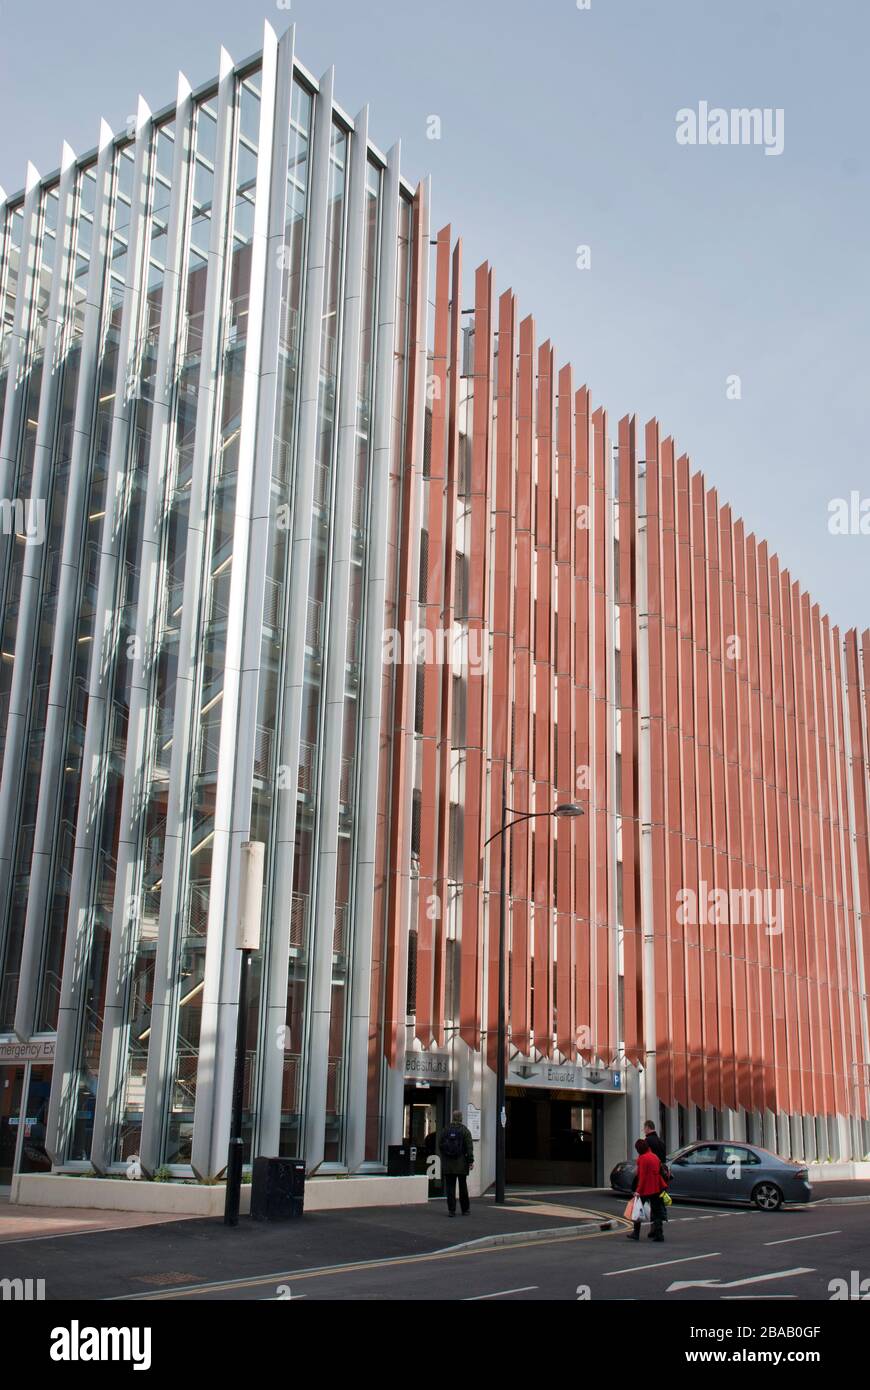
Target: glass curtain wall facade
pixel 199 328
pixel 306 540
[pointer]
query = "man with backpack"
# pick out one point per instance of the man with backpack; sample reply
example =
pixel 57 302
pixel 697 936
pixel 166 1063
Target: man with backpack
pixel 456 1148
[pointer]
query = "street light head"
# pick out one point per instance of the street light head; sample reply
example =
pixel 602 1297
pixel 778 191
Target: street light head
pixel 571 809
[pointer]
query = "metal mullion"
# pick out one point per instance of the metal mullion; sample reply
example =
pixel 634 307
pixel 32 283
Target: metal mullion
pixel 239 697
pixel 370 692
pixel 332 695
pixel 69 593
pixel 176 845
pixel 17 379
pixel 317 1044
pixel 5 246
pixel 114 1054
pixel 21 692
pixel 79 937
pixel 408 472
pixel 262 521
pixel 295 606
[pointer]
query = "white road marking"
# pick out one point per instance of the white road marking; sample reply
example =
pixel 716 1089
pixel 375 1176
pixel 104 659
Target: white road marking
pixel 731 1211
pixel 736 1283
pixel 791 1239
pixel 502 1293
pixel 659 1263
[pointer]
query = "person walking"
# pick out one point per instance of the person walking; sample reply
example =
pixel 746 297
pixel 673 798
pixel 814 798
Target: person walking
pixel 656 1144
pixel 655 1141
pixel 456 1147
pixel 648 1186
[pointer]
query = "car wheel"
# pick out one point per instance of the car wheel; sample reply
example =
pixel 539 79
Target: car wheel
pixel 767 1196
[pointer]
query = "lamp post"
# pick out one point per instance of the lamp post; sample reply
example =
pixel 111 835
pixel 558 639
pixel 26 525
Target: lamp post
pixel 569 810
pixel 248 941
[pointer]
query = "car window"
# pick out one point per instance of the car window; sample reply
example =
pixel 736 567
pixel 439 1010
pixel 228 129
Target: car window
pixel 736 1153
pixel 707 1153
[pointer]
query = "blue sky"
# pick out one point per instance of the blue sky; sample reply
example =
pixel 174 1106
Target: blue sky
pixel 558 130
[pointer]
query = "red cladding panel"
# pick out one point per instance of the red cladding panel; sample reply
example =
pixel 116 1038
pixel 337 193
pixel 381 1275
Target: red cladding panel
pixel 722 678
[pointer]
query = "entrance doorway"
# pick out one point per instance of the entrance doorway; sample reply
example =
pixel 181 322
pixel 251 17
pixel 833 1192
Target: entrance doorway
pixel 22 1126
pixel 11 1086
pixel 552 1137
pixel 425 1117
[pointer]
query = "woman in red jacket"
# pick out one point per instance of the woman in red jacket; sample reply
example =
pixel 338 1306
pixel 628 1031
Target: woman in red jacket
pixel 649 1186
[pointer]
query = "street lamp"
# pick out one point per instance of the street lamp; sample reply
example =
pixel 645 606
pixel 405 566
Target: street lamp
pixel 248 941
pixel 567 811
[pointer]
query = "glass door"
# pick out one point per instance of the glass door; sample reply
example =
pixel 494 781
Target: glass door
pixel 425 1116
pixel 11 1086
pixel 34 1158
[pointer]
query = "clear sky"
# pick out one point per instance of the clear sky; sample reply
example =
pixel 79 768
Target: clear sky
pixel 558 131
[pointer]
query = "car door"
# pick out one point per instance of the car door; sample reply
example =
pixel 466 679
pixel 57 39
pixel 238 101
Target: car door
pixel 739 1173
pixel 695 1173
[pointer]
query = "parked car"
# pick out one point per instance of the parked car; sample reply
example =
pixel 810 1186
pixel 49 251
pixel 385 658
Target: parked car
pixel 728 1172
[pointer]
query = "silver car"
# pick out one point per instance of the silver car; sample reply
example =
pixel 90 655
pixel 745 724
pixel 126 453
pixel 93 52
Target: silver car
pixel 728 1172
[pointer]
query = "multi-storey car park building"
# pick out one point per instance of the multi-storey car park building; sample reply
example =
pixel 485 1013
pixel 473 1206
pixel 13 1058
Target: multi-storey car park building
pixel 309 541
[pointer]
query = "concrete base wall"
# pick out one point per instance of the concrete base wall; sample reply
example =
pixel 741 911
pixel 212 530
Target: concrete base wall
pixel 834 1172
pixel 188 1199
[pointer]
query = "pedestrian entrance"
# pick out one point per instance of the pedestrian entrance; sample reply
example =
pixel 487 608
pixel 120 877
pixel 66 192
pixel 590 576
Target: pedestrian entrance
pixel 425 1117
pixel 24 1092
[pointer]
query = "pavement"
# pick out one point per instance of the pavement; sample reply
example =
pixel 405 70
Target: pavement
pixel 112 1261
pixel 396 1252
pixel 42 1223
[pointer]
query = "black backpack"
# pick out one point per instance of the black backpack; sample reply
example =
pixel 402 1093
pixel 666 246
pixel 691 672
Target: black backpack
pixel 452 1143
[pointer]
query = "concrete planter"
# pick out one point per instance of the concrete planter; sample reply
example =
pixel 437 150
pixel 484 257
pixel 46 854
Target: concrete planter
pixel 189 1199
pixel 335 1194
pixel 104 1194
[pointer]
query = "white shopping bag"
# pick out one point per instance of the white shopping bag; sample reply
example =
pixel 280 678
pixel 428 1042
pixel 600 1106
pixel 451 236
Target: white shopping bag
pixel 640 1210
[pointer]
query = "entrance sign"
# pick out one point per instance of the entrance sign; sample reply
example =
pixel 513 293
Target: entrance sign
pixel 565 1077
pixel 427 1066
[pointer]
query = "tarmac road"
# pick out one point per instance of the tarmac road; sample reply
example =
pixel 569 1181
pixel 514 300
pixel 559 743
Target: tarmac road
pixel 707 1254
pixel 417 1254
